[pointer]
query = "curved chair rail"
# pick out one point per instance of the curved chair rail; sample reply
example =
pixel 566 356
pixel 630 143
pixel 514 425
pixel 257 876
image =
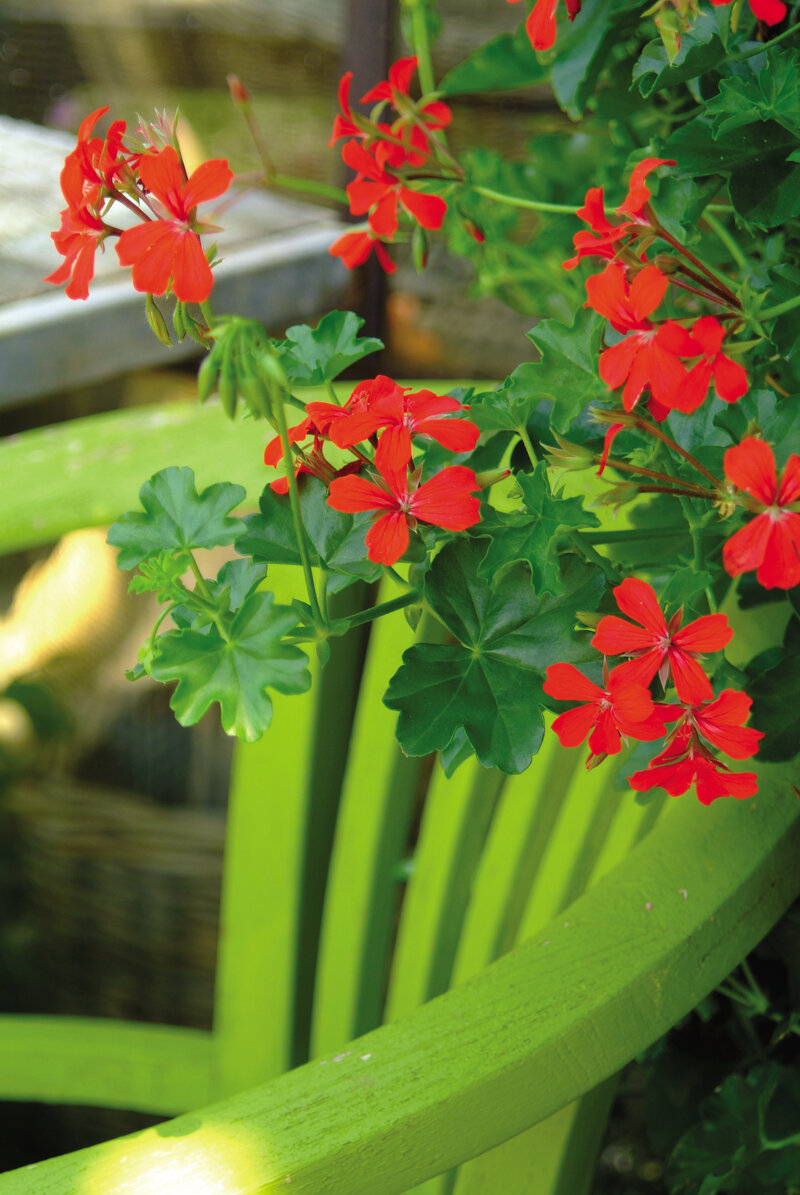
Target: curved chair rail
pixel 483 1062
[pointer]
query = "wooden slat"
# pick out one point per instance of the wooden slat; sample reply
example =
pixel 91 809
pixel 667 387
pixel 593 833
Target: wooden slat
pixel 487 1059
pixel 379 788
pixel 109 1064
pixel 254 1006
pixel 457 815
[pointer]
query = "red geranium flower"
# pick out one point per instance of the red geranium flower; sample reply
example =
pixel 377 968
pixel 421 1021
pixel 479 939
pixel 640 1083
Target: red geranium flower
pixel 415 121
pixel 769 543
pixel 730 379
pixel 686 760
pixel 606 239
pixel 378 192
pixel 624 707
pixel 381 403
pixel 541 22
pixel 355 247
pixel 649 355
pixel 768 11
pixel 658 646
pixel 167 251
pixel 353 422
pixel 445 500
pixel 77 239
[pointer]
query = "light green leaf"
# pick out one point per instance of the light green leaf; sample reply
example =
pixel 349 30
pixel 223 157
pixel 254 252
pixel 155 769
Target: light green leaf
pixel 313 356
pixel 176 518
pixel 236 671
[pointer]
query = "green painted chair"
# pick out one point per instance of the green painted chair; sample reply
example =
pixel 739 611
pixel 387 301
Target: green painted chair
pixel 472 999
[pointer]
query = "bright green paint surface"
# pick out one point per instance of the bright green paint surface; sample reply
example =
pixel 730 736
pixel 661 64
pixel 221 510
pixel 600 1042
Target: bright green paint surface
pixel 495 1055
pixel 117 1064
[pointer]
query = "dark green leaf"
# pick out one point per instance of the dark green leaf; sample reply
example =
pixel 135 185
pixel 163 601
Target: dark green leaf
pixel 505 61
pixel 313 356
pixel 176 518
pixel 489 683
pixel 772 94
pixel 567 372
pixel 584 48
pixel 533 536
pixel 700 49
pixel 236 671
pixel 776 708
pixel 764 186
pixel 336 540
pixel 748 1140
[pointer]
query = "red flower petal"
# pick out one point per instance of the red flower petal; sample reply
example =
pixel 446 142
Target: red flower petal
pixel 387 539
pixel 780 568
pixel 427 210
pixel 745 550
pixel 209 181
pixel 710 632
pixel 566 683
pixel 446 500
pixel 638 194
pixel 353 494
pixel 789 490
pixel 541 24
pixel 751 467
pixel 638 600
pixel 573 726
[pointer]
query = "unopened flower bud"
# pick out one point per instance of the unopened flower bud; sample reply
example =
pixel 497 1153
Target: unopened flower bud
pixel 239 93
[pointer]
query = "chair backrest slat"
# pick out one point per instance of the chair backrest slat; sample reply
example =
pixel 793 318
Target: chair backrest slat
pixel 455 820
pixel 265 864
pixel 377 800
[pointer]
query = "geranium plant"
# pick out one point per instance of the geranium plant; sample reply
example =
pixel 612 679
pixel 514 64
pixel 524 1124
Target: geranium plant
pixel 584 536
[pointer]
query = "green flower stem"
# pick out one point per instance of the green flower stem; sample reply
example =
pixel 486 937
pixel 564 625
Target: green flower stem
pixel 393 573
pixel 294 501
pixel 308 186
pixel 720 284
pixel 526 440
pixel 588 553
pixel 787 305
pixel 158 622
pixel 422 46
pixel 342 625
pixel 721 232
pixel 653 430
pixel 765 45
pixel 534 205
pixel 685 487
pixel 331 392
pixel 203 597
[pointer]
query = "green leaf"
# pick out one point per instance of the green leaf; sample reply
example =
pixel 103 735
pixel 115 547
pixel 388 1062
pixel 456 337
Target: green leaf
pixel 236 580
pixel 313 356
pixel 683 585
pixel 161 574
pixel 772 94
pixel 336 540
pixel 533 536
pixel 505 61
pixel 236 671
pixel 764 187
pixel 585 47
pixel 489 683
pixel 748 1140
pixel 176 518
pixel 776 708
pixel 700 50
pixel 567 372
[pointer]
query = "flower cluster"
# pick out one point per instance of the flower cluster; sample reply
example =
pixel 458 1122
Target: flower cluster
pixel 386 158
pixel 150 180
pixel 382 415
pixel 624 705
pixel 673 364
